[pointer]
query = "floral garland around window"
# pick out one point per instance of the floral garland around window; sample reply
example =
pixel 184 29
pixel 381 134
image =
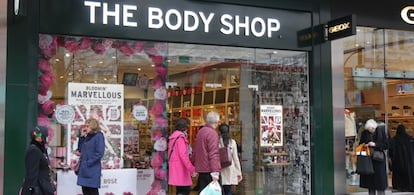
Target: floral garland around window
pixel 155 51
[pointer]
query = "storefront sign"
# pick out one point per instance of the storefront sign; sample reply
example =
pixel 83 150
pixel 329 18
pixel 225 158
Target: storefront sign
pixel 396 14
pixel 341 27
pixel 112 182
pixel 407 14
pixel 174 20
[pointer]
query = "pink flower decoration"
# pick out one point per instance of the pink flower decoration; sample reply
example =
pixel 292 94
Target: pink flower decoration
pixel 51 134
pixel 156 160
pixel 157 59
pixel 42 90
pixel 49 52
pixel 161 70
pixel 45 41
pixel 126 49
pixel 48 107
pixel 150 50
pixel 47 79
pixel 71 45
pixel 43 121
pixel 160 174
pixel 109 193
pixel 99 48
pixel 157 83
pixel 107 43
pixel 161 122
pixel 156 134
pixel 157 109
pixel 85 43
pixel 44 66
pixel 116 44
pixel 139 46
pixel 128 193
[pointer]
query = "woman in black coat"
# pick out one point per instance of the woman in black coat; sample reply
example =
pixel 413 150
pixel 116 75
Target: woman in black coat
pixel 374 136
pixel 37 180
pixel 402 160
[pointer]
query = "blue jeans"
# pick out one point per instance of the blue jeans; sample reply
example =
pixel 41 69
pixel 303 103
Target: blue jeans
pixel 226 189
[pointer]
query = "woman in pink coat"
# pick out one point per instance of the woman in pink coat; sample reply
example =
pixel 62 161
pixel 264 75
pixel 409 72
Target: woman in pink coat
pixel 180 168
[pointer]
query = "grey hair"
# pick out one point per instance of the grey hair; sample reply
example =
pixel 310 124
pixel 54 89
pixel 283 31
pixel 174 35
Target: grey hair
pixel 212 118
pixel 371 123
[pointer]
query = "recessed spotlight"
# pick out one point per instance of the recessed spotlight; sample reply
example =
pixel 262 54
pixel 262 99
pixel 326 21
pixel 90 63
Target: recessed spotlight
pixel 113 57
pixel 61 77
pixel 67 55
pixel 139 69
pixel 274 52
pixel 95 81
pixel 70 73
pixel 152 65
pixel 105 79
pixel 168 61
pixel 357 45
pixel 57 60
pixel 368 42
pixel 100 62
pixel 114 76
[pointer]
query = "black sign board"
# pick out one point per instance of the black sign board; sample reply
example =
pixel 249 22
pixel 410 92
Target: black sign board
pixel 311 36
pixel 184 21
pixel 341 27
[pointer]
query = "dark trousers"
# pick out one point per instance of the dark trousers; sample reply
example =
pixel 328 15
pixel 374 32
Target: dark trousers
pixel 183 190
pixel 226 189
pixel 89 191
pixel 203 180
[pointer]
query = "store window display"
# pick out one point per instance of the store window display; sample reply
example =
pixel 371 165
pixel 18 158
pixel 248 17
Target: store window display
pixel 136 89
pixel 378 84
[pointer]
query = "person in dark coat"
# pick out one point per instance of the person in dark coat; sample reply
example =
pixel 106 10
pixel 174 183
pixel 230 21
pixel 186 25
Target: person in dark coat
pixel 37 179
pixel 91 153
pixel 374 136
pixel 402 160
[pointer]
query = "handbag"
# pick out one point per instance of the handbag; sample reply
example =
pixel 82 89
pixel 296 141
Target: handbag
pixel 225 156
pixel 378 155
pixel 76 167
pixel 213 188
pixel 364 161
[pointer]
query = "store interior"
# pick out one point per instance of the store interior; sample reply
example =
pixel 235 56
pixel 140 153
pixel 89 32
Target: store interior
pixel 232 81
pixel 379 72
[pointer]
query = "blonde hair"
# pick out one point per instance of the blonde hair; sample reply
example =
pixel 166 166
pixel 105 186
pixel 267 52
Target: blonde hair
pixel 93 124
pixel 371 123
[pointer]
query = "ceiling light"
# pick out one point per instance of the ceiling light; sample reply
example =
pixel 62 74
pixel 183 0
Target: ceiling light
pixel 61 77
pixel 139 69
pixel 57 60
pixel 114 76
pixel 357 45
pixel 95 81
pixel 67 55
pixel 152 65
pixel 70 73
pixel 113 57
pixel 100 62
pixel 168 60
pixel 274 52
pixel 105 79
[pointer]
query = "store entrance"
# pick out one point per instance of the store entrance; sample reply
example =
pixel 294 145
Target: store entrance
pixel 378 82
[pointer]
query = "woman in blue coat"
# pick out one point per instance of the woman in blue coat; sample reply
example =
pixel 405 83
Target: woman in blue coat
pixel 92 149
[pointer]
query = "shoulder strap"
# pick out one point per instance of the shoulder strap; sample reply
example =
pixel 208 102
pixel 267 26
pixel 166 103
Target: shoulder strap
pixel 172 147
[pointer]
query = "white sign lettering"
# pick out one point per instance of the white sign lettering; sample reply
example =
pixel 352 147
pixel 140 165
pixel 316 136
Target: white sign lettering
pixel 407 14
pixel 186 20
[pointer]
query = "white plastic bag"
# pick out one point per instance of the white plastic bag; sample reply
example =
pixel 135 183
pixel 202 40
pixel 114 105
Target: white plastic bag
pixel 213 188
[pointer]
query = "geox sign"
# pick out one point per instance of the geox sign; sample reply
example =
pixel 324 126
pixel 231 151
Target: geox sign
pixel 341 27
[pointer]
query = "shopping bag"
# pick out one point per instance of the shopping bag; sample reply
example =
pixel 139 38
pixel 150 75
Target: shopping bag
pixel 213 188
pixel 364 161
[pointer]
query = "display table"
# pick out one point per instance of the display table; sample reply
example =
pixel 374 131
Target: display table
pixel 115 181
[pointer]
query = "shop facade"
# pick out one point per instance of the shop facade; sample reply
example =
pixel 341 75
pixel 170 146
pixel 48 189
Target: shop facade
pixel 377 67
pixel 139 65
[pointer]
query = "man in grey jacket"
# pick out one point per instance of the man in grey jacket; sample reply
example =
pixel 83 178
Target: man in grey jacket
pixel 206 152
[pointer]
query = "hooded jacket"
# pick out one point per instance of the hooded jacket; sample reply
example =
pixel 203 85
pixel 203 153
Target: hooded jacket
pixel 179 164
